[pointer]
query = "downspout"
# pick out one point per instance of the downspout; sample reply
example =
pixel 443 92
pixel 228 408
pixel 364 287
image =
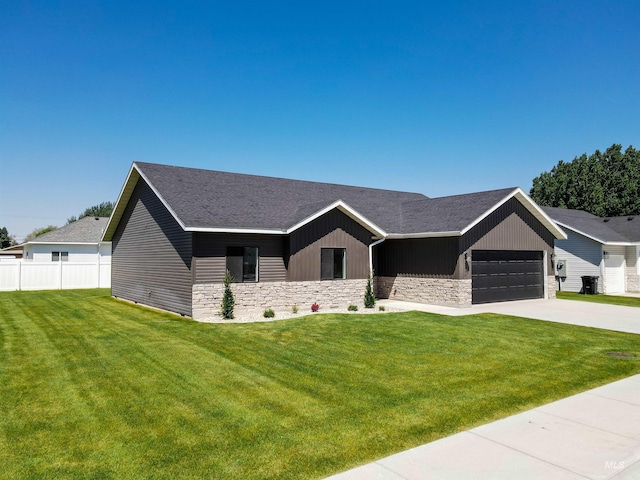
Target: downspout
pixel 378 242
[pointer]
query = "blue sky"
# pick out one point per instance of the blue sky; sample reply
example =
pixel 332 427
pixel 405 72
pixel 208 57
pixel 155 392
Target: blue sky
pixel 433 97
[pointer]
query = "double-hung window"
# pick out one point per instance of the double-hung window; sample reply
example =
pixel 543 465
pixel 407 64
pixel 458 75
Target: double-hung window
pixel 242 263
pixel 333 263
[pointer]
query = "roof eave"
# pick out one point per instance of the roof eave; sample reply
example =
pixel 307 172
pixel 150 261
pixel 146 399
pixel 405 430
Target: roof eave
pixel 398 236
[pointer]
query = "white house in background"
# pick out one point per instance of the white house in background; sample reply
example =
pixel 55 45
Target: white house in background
pixel 73 256
pixel 608 248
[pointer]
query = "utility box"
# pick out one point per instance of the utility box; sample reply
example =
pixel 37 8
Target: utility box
pixel 561 268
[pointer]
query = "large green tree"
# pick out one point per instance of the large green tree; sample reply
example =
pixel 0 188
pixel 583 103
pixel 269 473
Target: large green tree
pixel 6 240
pixel 104 209
pixel 604 183
pixel 39 231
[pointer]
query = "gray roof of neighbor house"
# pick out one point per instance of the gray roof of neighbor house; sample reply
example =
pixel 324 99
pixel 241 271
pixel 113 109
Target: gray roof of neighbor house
pixel 625 229
pixel 84 230
pixel 207 200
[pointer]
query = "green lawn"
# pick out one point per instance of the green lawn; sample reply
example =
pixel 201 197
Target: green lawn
pixel 608 299
pixel 91 387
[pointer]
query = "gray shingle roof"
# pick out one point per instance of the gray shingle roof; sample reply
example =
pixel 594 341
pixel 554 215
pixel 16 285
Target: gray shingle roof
pixel 606 230
pixel 205 200
pixel 449 214
pixel 85 230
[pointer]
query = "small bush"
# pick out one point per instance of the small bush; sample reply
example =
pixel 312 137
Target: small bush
pixel 228 301
pixel 352 308
pixel 294 309
pixel 315 307
pixel 369 297
pixel 381 308
pixel 269 313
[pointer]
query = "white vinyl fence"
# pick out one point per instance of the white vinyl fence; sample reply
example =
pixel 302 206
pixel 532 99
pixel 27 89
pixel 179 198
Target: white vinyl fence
pixel 21 275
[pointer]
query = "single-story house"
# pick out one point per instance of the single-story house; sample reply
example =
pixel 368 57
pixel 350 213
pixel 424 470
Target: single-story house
pixel 607 248
pixel 176 231
pixel 73 256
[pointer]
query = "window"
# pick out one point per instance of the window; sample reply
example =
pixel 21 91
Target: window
pixel 59 256
pixel 242 263
pixel 333 264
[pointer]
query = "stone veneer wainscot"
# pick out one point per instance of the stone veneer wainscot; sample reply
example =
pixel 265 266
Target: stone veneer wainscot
pixel 252 297
pixel 435 291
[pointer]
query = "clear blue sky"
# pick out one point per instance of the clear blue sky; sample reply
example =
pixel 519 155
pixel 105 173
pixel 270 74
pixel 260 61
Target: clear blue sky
pixel 434 97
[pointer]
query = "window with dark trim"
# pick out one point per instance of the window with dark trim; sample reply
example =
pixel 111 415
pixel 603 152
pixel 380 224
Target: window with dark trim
pixel 333 263
pixel 59 256
pixel 242 263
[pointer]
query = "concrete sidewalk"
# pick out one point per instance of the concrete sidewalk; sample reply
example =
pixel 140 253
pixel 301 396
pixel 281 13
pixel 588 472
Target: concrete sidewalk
pixel 592 435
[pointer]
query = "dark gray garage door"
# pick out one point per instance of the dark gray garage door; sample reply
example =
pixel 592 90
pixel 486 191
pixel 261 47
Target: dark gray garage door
pixel 501 275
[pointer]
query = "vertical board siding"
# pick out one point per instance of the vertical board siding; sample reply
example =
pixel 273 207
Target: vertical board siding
pixel 151 260
pixel 418 257
pixel 510 227
pixel 332 230
pixel 210 250
pixel 583 257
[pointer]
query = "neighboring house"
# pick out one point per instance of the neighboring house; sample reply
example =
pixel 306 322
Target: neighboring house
pixel 176 231
pixel 73 256
pixel 607 248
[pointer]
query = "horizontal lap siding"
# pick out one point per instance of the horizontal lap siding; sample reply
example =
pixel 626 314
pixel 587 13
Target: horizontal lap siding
pixel 583 256
pixel 332 230
pixel 210 251
pixel 151 261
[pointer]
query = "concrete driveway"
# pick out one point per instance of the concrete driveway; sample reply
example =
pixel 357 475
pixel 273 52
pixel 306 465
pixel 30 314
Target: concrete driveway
pixel 592 435
pixel 609 317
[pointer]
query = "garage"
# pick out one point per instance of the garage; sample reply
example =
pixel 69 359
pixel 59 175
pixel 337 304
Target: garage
pixel 505 275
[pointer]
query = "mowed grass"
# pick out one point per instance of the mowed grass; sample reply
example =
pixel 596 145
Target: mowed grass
pixel 91 387
pixel 606 299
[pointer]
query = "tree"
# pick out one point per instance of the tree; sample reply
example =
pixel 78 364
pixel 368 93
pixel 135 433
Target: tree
pixel 39 231
pixel 103 209
pixel 6 240
pixel 604 184
pixel 369 297
pixel 228 301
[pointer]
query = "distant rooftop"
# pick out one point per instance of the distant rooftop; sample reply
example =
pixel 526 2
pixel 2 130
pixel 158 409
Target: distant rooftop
pixel 85 230
pixel 624 229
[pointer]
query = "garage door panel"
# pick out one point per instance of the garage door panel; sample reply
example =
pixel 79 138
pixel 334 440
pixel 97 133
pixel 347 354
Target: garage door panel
pixel 499 276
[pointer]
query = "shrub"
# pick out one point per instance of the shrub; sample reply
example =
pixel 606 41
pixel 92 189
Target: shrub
pixel 352 308
pixel 315 307
pixel 381 308
pixel 369 297
pixel 228 302
pixel 269 313
pixel 294 309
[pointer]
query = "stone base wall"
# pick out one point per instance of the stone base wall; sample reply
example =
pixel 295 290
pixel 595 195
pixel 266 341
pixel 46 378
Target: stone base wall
pixel 552 286
pixel 435 291
pixel 280 296
pixel 633 283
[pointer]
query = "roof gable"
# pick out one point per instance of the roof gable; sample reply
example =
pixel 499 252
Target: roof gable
pixel 457 214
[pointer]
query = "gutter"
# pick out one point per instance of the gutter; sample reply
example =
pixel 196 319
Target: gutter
pixel 378 242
